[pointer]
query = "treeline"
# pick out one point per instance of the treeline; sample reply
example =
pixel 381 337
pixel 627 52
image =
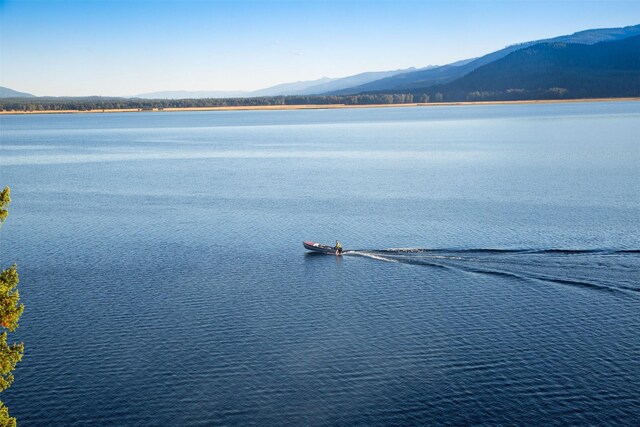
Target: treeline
pixel 92 104
pixel 437 94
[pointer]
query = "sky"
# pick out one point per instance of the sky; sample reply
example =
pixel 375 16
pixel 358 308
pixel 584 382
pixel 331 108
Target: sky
pixel 128 47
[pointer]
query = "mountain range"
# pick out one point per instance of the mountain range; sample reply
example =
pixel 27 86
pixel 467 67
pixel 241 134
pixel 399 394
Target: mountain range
pixel 591 63
pixel 553 70
pixel 414 80
pixel 309 87
pixel 5 92
pixel 450 72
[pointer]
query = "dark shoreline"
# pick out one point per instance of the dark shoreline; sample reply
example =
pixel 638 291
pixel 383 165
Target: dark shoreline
pixel 313 106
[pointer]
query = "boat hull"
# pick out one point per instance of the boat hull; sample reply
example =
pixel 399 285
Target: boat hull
pixel 317 247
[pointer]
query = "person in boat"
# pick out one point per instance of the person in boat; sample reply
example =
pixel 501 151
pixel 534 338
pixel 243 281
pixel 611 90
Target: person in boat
pixel 338 248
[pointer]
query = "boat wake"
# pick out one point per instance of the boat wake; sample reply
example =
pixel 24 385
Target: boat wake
pixel 597 269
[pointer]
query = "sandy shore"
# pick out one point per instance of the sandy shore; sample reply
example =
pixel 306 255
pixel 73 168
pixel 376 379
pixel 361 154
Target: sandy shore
pixel 319 106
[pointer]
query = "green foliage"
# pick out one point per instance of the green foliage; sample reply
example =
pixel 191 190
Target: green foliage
pixel 10 312
pixel 10 355
pixel 5 199
pixel 5 419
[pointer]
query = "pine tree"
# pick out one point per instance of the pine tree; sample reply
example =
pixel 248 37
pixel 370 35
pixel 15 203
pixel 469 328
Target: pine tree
pixel 10 312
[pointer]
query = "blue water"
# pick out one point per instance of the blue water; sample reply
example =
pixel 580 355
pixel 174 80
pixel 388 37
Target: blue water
pixel 492 273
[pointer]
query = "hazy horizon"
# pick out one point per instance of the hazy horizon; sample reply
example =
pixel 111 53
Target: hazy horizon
pixel 127 48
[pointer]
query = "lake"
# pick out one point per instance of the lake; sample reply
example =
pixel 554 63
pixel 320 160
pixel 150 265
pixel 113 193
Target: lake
pixel 492 273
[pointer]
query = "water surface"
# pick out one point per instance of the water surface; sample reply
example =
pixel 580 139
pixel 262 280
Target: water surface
pixel 491 274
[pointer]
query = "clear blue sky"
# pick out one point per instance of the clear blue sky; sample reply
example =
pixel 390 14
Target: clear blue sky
pixel 128 47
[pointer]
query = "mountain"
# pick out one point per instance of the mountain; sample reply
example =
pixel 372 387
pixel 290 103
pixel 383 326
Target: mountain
pixel 185 94
pixel 294 88
pixel 423 77
pixel 277 90
pixel 355 80
pixel 586 64
pixel 450 72
pixel 552 70
pixel 5 92
pixel 308 87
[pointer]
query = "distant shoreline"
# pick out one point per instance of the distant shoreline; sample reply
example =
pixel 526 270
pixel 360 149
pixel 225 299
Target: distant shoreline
pixel 313 106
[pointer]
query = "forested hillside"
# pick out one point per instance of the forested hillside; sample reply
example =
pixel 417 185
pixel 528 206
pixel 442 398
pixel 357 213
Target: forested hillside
pixel 551 71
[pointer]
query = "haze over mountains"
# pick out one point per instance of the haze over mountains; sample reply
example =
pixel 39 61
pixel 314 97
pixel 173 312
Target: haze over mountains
pixel 413 80
pixel 310 87
pixel 450 72
pixel 592 63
